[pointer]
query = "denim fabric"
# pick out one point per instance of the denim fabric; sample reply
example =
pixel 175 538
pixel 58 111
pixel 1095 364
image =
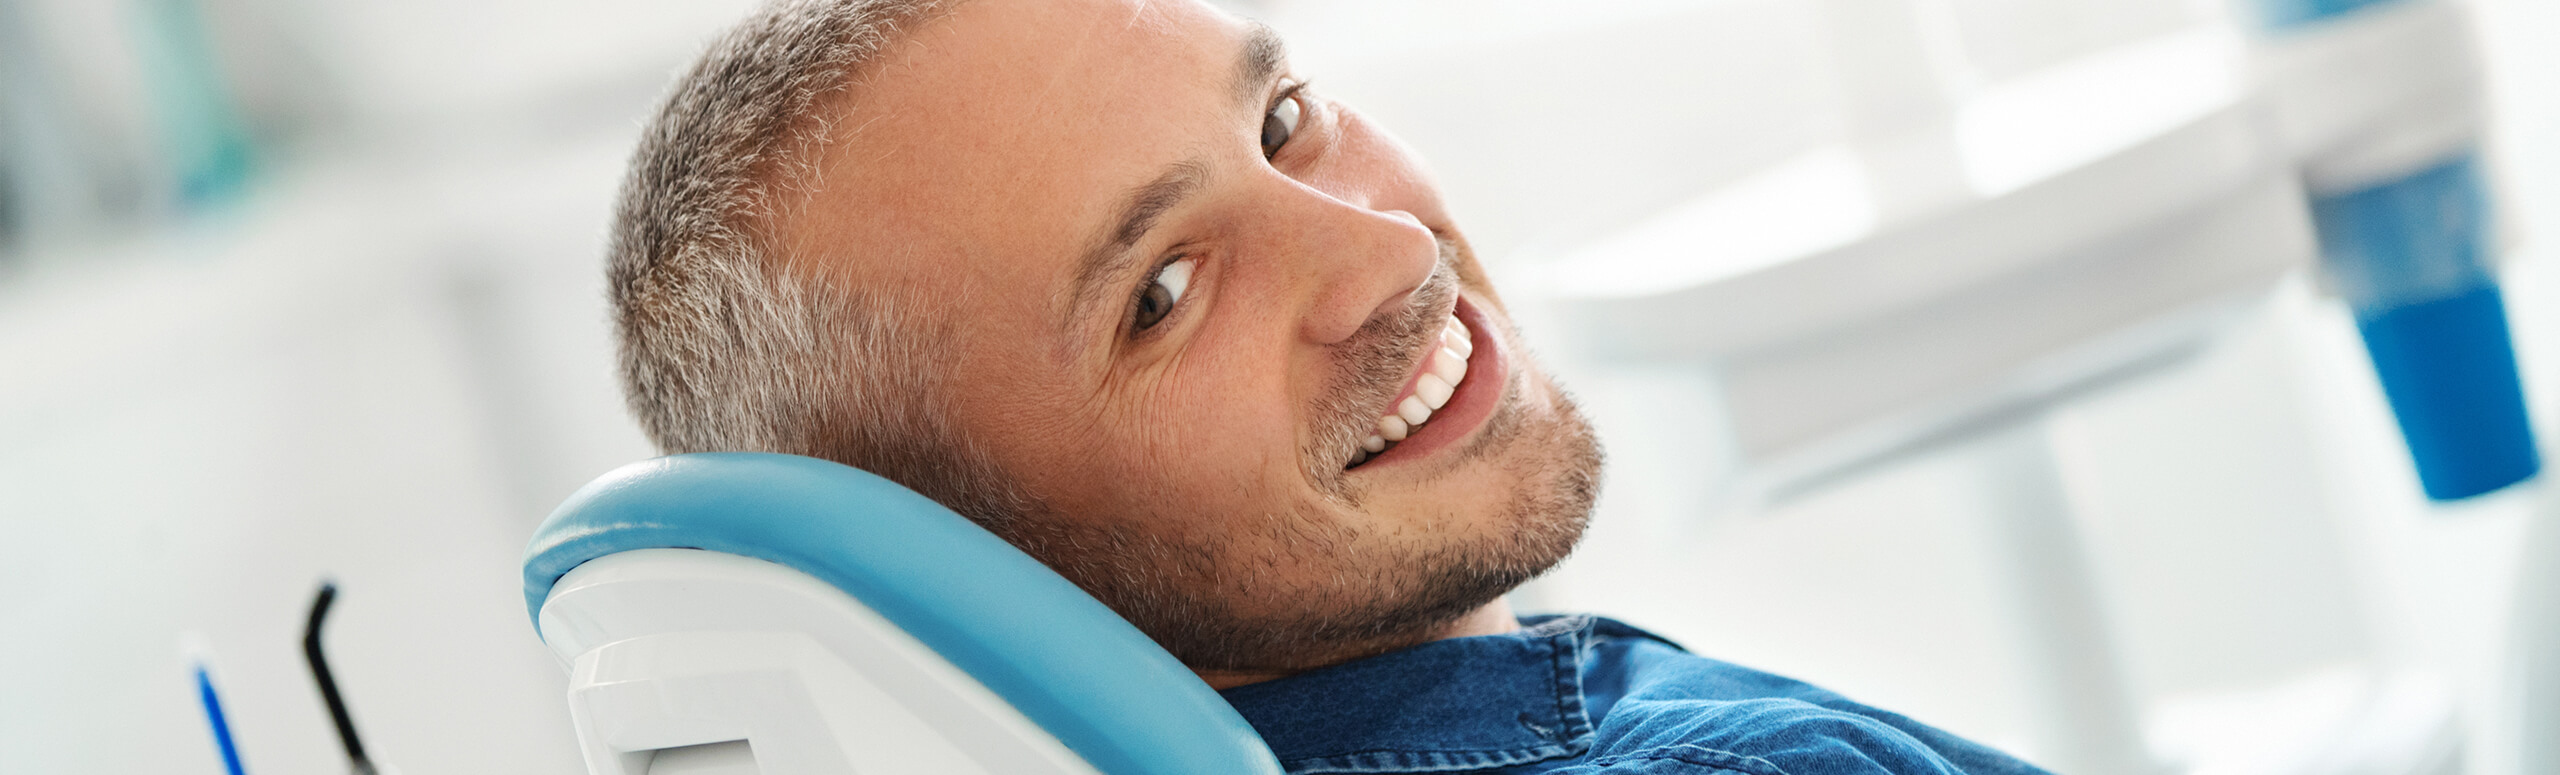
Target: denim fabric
pixel 1574 695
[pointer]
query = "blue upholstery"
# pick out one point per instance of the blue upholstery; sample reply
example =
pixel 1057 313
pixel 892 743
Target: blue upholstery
pixel 1060 657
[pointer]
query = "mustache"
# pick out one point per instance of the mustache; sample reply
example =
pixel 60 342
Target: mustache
pixel 1371 366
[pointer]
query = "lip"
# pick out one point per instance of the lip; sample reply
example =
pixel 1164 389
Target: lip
pixel 1488 370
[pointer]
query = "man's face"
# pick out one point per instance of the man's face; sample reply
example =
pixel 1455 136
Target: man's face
pixel 1181 293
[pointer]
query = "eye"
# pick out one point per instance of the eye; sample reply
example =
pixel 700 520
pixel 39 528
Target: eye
pixel 1162 292
pixel 1281 122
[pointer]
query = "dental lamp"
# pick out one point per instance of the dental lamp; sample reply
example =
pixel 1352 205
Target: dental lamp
pixel 2380 102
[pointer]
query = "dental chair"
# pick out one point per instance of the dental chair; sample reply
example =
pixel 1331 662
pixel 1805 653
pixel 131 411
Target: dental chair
pixel 774 614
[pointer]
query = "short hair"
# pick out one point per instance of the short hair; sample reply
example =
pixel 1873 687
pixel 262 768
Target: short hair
pixel 729 342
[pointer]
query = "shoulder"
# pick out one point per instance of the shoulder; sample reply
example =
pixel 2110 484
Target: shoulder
pixel 1658 709
pixel 1772 736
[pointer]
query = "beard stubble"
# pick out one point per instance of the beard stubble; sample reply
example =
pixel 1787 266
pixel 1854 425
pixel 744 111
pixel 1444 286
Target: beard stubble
pixel 1294 589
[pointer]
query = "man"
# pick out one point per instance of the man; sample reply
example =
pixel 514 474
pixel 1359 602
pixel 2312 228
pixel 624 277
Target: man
pixel 1107 277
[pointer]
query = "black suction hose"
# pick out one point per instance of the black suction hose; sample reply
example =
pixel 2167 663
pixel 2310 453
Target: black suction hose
pixel 329 684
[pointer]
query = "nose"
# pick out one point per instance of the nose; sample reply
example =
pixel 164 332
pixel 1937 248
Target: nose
pixel 1354 263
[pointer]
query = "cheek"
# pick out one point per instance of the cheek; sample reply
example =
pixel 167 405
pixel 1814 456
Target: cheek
pixel 1224 412
pixel 1201 442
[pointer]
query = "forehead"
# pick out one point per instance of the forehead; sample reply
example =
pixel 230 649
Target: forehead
pixel 989 147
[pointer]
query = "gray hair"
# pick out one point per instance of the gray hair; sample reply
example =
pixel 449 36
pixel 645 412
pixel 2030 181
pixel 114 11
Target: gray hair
pixel 729 343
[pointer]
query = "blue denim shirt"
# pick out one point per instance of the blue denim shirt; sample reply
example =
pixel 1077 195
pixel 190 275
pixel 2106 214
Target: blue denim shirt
pixel 1583 694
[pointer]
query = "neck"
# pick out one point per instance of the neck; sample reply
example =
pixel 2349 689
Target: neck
pixel 1493 618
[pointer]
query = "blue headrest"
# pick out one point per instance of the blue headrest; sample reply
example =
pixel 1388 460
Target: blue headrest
pixel 1060 657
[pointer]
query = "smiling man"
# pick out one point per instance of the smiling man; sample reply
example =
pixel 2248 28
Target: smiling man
pixel 1107 277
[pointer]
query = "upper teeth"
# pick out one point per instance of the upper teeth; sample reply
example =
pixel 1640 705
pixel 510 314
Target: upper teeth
pixel 1446 368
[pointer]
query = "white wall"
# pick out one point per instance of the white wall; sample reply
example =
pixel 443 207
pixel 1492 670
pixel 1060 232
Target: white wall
pixel 381 366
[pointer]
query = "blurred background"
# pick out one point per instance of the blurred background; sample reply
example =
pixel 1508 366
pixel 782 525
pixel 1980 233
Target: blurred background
pixel 1974 358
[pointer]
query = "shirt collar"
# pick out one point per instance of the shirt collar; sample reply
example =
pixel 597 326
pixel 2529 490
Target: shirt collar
pixel 1461 703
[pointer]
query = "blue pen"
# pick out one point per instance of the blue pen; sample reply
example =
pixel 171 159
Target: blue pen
pixel 213 706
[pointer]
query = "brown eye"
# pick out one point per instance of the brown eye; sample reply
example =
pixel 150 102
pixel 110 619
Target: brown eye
pixel 1279 124
pixel 1163 291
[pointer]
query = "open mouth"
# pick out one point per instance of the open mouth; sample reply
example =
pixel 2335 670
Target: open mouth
pixel 1439 402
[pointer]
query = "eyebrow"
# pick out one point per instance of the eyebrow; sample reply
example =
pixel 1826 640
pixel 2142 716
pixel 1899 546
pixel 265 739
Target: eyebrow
pixel 1259 59
pixel 1262 56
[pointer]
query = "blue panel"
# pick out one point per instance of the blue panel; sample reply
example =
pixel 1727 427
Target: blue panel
pixel 2451 376
pixel 2420 237
pixel 1062 658
pixel 2411 257
pixel 2288 14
